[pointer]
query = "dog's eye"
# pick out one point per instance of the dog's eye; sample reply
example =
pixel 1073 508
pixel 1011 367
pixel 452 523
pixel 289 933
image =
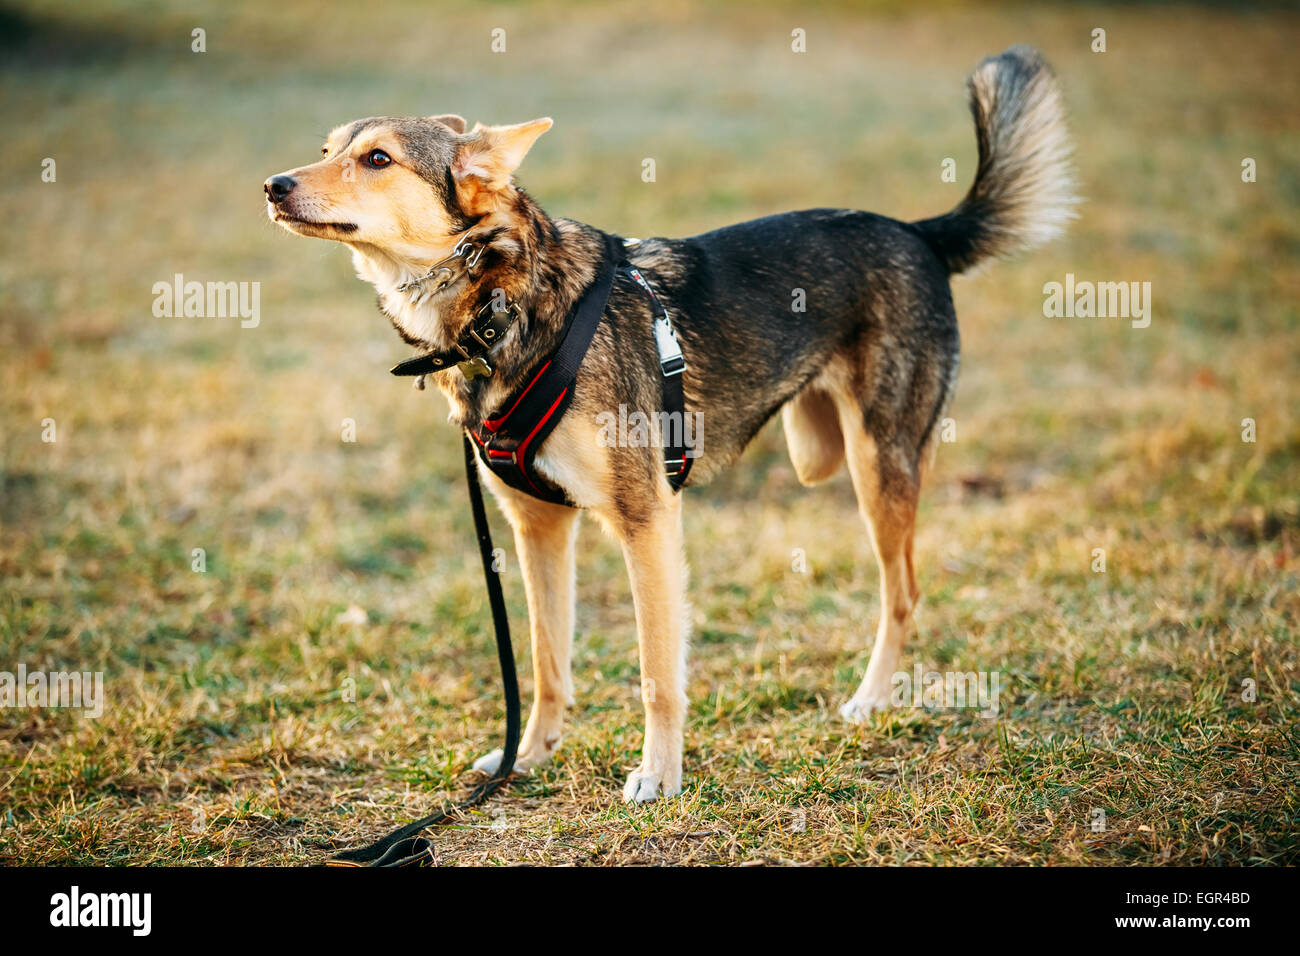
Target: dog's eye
pixel 324 150
pixel 378 158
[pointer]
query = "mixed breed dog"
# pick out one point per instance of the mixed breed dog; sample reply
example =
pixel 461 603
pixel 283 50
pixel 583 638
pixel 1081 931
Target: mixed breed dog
pixel 471 271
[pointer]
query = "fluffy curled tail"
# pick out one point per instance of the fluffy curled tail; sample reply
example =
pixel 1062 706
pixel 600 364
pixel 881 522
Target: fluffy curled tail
pixel 1023 194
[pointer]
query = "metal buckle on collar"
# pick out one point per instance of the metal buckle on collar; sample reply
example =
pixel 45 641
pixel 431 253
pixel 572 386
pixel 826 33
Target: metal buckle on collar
pixel 487 334
pixel 490 332
pixel 674 466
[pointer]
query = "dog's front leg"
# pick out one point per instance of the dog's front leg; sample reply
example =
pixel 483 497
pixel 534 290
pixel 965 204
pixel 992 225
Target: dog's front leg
pixel 544 541
pixel 652 546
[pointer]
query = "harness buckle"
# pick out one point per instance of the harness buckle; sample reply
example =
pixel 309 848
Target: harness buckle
pixel 671 361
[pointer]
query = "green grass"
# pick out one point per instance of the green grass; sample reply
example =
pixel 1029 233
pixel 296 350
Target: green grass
pixel 228 734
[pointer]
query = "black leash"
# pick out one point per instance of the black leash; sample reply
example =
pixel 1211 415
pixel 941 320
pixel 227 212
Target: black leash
pixel 404 847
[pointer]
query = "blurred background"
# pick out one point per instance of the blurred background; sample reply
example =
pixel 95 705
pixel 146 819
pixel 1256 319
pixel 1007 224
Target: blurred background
pixel 331 667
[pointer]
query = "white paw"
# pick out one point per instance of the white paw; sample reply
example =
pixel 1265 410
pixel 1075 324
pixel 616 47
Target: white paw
pixel 644 786
pixel 488 763
pixel 857 709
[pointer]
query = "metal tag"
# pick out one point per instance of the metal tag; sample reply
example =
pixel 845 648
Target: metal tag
pixel 474 368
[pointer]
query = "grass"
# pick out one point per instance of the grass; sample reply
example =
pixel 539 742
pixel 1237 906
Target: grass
pixel 229 733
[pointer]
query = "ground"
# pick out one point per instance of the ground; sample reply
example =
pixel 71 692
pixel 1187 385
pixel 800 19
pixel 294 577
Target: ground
pixel 331 670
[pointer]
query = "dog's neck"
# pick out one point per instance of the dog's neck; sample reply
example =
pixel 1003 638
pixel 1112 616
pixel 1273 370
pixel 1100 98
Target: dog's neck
pixel 540 264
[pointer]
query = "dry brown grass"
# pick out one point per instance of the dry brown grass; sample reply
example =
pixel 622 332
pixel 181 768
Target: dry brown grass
pixel 226 737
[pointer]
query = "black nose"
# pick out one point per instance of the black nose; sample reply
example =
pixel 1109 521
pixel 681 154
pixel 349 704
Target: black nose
pixel 278 187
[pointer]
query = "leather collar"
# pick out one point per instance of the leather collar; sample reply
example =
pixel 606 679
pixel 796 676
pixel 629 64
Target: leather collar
pixel 489 326
pixel 472 348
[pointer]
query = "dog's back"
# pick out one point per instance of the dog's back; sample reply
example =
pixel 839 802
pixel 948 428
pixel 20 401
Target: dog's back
pixel 766 306
pixel 847 302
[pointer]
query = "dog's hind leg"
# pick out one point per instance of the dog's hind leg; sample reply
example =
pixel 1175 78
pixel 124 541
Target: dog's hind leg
pixel 544 540
pixel 812 433
pixel 886 479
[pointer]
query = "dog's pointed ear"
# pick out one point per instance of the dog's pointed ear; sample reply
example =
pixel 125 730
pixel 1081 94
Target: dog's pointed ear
pixel 486 159
pixel 456 123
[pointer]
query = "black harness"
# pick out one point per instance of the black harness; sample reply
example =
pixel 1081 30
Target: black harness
pixel 507 441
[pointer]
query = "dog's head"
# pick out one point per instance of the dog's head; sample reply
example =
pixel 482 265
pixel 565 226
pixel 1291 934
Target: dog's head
pixel 406 186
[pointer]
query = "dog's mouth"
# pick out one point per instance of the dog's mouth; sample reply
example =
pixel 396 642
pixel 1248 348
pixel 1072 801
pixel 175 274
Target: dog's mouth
pixel 298 224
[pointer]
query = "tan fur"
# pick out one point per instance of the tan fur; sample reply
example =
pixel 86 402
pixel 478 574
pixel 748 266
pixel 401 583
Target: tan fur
pixel 887 489
pixel 391 209
pixel 656 565
pixel 450 120
pixel 487 160
pixel 652 548
pixel 812 433
pixel 544 540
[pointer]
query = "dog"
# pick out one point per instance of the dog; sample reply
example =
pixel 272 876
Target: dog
pixel 841 320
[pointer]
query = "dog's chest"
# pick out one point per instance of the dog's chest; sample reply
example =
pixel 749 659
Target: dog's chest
pixel 414 313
